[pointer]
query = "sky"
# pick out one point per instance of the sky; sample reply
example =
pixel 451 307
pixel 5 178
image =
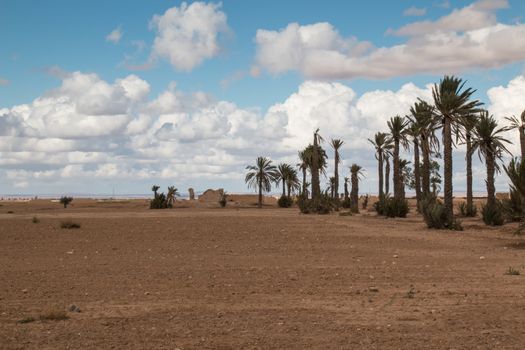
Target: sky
pixel 107 97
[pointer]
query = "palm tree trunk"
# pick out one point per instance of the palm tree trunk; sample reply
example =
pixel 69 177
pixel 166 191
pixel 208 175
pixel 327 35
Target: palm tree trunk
pixel 304 181
pixel 354 194
pixel 336 175
pixel 346 191
pixel 380 174
pixel 316 187
pixel 425 148
pixel 470 201
pixel 387 175
pixel 284 188
pixel 397 176
pixel 447 160
pixel 491 189
pixel 417 174
pixel 522 142
pixel 289 190
pixel 259 203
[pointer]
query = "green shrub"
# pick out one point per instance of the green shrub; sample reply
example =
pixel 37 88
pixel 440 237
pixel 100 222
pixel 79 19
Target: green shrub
pixel 323 205
pixel 65 200
pixel 346 203
pixel 435 216
pixel 513 207
pixel 381 204
pixel 391 207
pixel 158 202
pixel 223 200
pixel 466 210
pixel 285 202
pixel 493 214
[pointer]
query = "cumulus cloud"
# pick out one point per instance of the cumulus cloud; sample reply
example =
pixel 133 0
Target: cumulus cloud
pixel 91 131
pixel 189 34
pixel 415 11
pixel 115 35
pixel 467 38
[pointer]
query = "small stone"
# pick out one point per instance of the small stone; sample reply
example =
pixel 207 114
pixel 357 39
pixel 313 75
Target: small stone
pixel 74 308
pixel 395 256
pixel 24 291
pixel 373 289
pixel 481 258
pixel 146 293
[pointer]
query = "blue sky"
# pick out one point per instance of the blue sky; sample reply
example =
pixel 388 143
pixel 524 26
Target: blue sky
pixel 45 42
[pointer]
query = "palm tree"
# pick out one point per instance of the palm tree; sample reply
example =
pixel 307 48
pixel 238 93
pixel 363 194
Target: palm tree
pixel 314 168
pixel 404 171
pixel 155 188
pixel 282 174
pixel 397 126
pixel 336 145
pixel 331 186
pixel 346 188
pixel 261 176
pixel 451 102
pixel 292 181
pixel 172 193
pixel 422 114
pixel 308 158
pixel 468 124
pixel 303 165
pixel 382 143
pixel 413 131
pixel 516 173
pixel 519 124
pixel 356 172
pixel 490 145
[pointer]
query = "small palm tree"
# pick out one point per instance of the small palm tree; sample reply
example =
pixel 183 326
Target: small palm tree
pixel 155 189
pixel 261 176
pixel 282 175
pixel 468 124
pixel 398 132
pixel 519 124
pixel 336 145
pixel 490 144
pixel 172 193
pixel 356 172
pixel 382 144
pixel 452 102
pixel 303 166
pixel 292 181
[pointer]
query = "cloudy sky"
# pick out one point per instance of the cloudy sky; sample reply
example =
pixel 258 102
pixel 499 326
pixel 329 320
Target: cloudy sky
pixel 99 96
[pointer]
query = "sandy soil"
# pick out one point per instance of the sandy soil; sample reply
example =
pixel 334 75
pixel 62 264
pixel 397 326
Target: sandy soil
pixel 238 278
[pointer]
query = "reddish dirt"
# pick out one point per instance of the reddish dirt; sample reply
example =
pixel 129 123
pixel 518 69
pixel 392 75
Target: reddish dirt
pixel 254 279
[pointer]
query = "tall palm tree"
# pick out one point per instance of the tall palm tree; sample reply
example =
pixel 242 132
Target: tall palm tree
pixel 423 115
pixel 397 126
pixel 316 185
pixel 336 145
pixel 404 171
pixel 303 166
pixel 490 144
pixel 452 102
pixel 468 124
pixel 308 156
pixel 356 172
pixel 382 143
pixel 282 174
pixel 519 124
pixel 346 187
pixel 261 176
pixel 413 130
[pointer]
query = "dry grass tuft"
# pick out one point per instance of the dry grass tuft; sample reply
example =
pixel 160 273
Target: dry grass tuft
pixel 69 224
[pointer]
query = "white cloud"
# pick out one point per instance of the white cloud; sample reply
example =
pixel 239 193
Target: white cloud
pixel 115 35
pixel 415 11
pixel 465 39
pixel 90 131
pixel 187 35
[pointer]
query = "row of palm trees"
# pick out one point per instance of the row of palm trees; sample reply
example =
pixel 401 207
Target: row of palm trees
pixel 313 160
pixel 461 121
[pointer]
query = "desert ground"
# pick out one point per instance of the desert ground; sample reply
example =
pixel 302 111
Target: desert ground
pixel 247 278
